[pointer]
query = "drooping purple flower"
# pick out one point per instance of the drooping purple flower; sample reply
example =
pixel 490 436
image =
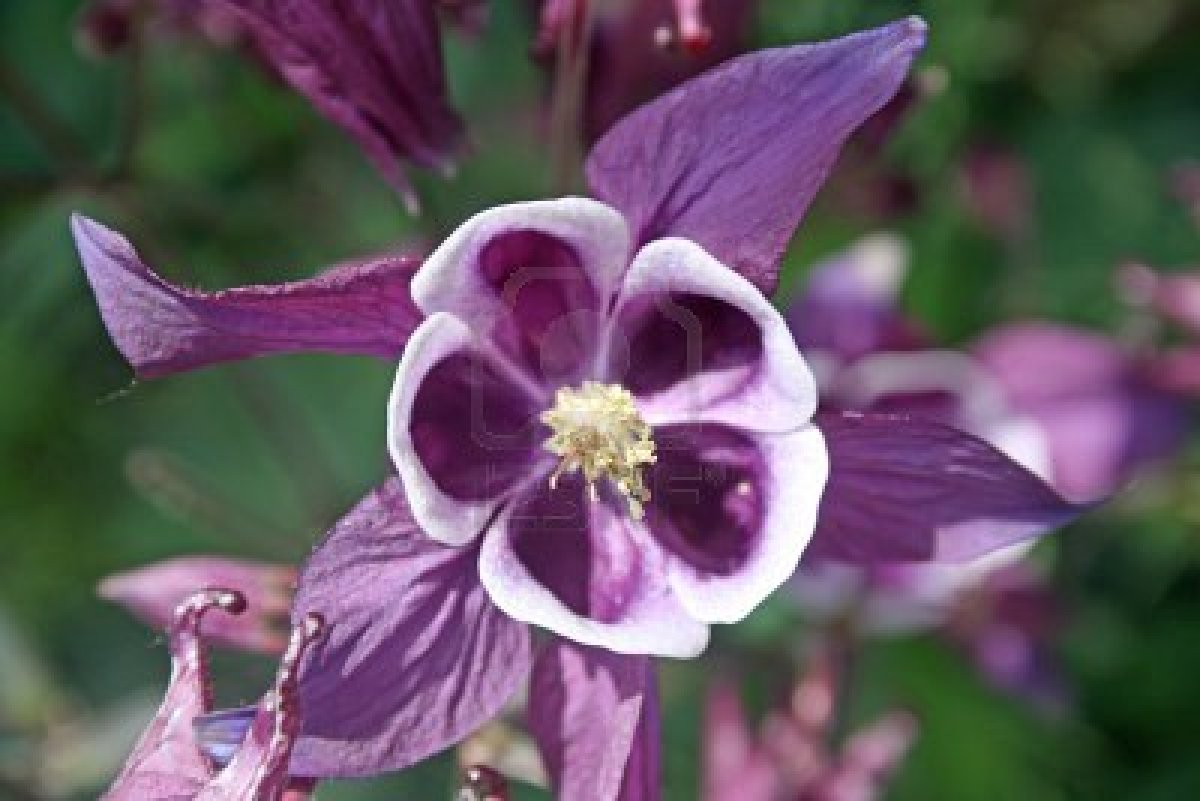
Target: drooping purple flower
pixel 601 426
pixel 372 67
pixel 167 764
pixel 152 593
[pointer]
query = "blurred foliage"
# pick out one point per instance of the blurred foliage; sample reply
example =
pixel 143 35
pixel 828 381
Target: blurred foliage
pixel 222 178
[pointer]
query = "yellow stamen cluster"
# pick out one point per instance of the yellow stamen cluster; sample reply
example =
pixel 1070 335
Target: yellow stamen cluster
pixel 597 430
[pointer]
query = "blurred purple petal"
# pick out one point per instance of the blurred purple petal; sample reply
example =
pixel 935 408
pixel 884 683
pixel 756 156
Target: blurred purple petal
pixel 595 717
pixel 373 67
pixel 153 592
pixel 848 305
pixel 1100 415
pixel 904 489
pixel 745 147
pixel 416 657
pixel 353 308
pixel 165 763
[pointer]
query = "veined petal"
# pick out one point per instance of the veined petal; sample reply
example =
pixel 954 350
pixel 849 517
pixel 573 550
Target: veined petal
pixel 595 717
pixel 735 512
pixel 583 569
pixel 695 341
pixel 905 489
pixel 535 278
pixel 463 430
pixel 732 159
pixel 165 763
pixel 374 68
pixel 355 308
pixel 153 592
pixel 416 657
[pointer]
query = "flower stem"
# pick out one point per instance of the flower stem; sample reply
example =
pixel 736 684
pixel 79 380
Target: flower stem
pixel 566 104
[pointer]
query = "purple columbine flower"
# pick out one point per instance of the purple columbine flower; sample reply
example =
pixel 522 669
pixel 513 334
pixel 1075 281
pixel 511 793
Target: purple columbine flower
pixel 573 366
pixel 631 440
pixel 152 593
pixel 168 764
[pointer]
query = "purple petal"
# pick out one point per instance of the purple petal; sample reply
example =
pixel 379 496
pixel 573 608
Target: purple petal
pixel 694 341
pixel 353 308
pixel 373 67
pixel 463 429
pixel 847 307
pixel 734 511
pixel 595 717
pixel 904 489
pixel 416 657
pixel 1102 420
pixel 259 769
pixel 532 278
pixel 732 159
pixel 165 763
pixel 153 592
pixel 586 571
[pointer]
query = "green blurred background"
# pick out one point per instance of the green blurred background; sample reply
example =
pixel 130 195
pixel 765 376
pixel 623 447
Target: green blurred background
pixel 222 177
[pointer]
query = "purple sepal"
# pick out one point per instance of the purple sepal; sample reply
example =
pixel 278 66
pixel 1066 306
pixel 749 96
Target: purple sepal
pixel 906 489
pixel 165 763
pixel 354 308
pixel 169 763
pixel 745 147
pixel 373 67
pixel 417 656
pixel 595 717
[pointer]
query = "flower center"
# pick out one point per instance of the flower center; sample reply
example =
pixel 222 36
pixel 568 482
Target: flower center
pixel 597 430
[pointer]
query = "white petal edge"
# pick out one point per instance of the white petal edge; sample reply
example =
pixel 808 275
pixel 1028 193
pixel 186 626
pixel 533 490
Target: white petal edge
pixel 783 398
pixel 657 627
pixel 448 282
pixel 445 519
pixel 796 469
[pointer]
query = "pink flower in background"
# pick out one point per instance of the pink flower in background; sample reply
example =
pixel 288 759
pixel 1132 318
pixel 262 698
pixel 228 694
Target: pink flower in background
pixel 790 754
pixel 167 764
pixel 152 593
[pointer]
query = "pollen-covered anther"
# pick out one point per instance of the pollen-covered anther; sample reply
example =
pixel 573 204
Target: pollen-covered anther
pixel 598 430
